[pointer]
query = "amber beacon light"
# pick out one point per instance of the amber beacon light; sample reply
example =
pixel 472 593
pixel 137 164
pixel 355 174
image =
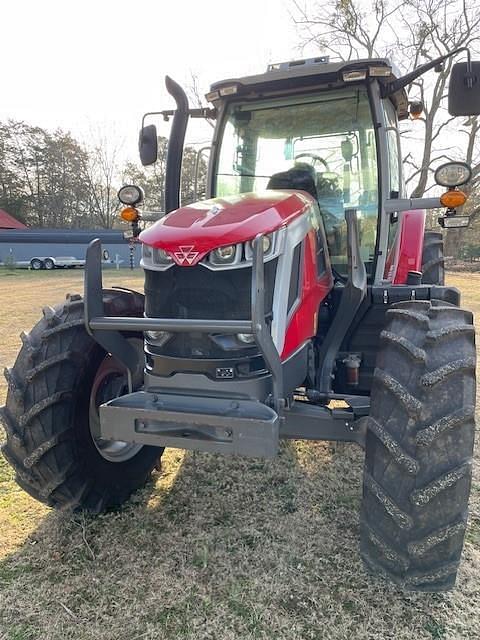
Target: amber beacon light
pixel 130 214
pixel 453 198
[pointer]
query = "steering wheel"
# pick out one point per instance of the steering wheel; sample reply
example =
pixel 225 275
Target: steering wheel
pixel 315 159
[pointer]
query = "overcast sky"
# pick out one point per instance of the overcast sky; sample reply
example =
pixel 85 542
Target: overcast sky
pixel 79 64
pixel 94 65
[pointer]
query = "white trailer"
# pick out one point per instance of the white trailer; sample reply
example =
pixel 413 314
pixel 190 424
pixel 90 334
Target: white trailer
pixel 59 262
pixel 50 249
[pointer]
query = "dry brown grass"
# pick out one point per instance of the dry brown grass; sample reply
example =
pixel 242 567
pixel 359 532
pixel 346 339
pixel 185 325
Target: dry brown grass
pixel 214 547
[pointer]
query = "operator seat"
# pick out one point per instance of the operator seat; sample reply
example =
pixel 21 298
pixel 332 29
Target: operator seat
pixel 302 176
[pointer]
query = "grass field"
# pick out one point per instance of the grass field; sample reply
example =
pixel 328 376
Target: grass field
pixel 217 548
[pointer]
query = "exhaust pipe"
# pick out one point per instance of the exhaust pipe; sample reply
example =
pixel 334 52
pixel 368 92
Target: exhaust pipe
pixel 175 145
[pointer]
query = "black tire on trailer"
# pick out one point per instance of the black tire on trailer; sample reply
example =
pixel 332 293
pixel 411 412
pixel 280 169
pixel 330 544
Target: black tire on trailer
pixel 60 377
pixel 433 263
pixel 49 264
pixel 419 446
pixel 36 264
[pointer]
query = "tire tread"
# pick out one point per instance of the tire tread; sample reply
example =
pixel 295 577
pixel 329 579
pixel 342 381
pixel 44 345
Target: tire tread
pixel 39 417
pixel 416 486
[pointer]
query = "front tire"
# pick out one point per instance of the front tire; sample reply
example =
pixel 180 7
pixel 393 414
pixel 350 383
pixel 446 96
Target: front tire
pixel 47 417
pixel 419 446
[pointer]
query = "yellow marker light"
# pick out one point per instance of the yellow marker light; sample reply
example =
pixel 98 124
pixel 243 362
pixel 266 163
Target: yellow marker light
pixel 453 199
pixel 130 214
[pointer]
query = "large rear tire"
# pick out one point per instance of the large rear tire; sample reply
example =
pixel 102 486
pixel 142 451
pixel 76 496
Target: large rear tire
pixel 419 446
pixel 60 376
pixel 433 263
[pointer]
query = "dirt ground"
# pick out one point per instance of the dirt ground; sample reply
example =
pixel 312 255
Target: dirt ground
pixel 217 548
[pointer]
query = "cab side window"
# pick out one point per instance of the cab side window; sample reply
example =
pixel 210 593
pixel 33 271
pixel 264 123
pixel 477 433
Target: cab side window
pixel 393 144
pixel 393 160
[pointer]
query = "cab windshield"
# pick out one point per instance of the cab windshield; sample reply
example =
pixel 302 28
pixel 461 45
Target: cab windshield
pixel 329 137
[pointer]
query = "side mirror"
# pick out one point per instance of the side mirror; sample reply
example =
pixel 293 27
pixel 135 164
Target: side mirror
pixel 464 90
pixel 147 145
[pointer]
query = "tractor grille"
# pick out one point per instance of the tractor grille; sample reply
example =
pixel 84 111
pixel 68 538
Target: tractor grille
pixel 201 293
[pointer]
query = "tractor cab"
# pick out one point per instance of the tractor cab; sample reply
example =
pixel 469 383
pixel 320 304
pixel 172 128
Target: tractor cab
pixel 327 128
pixel 319 139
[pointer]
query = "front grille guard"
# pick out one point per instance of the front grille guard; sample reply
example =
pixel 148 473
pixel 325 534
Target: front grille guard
pixel 108 330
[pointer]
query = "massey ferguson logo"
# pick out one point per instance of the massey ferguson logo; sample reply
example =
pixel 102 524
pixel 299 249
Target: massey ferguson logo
pixel 186 255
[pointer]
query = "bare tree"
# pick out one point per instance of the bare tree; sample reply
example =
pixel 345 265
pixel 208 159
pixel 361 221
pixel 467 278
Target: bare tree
pixel 150 179
pixel 349 29
pixel 409 33
pixel 102 174
pixel 195 95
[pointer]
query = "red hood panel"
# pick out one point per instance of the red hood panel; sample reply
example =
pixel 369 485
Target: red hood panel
pixel 206 225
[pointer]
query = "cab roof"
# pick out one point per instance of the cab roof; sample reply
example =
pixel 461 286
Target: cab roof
pixel 308 74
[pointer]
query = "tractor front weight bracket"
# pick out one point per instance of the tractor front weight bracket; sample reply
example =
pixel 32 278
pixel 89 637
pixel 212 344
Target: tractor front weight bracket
pixel 177 418
pixel 108 330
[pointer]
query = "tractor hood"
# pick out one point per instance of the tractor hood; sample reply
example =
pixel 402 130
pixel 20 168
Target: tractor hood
pixel 206 225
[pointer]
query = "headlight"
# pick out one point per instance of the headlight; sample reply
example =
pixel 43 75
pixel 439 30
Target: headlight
pixel 453 174
pixel 159 338
pixel 155 259
pixel 160 256
pixel 224 255
pixel 267 244
pixel 130 194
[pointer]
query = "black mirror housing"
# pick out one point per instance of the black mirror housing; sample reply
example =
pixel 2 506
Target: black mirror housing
pixel 148 145
pixel 464 90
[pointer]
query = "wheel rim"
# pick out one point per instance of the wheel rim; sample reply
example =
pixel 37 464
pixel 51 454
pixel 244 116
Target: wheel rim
pixel 48 264
pixel 36 265
pixel 110 382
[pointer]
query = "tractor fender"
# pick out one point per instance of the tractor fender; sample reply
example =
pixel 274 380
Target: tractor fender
pixel 406 252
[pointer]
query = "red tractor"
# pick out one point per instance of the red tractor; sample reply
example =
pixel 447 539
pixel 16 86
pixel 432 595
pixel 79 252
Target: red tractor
pixel 292 303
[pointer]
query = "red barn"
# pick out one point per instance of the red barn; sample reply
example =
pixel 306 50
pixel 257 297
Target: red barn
pixel 7 222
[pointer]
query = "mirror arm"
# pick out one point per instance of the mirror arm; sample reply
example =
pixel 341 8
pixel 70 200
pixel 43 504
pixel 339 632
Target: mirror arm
pixel 151 216
pixel 401 83
pixel 202 112
pixel 410 204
